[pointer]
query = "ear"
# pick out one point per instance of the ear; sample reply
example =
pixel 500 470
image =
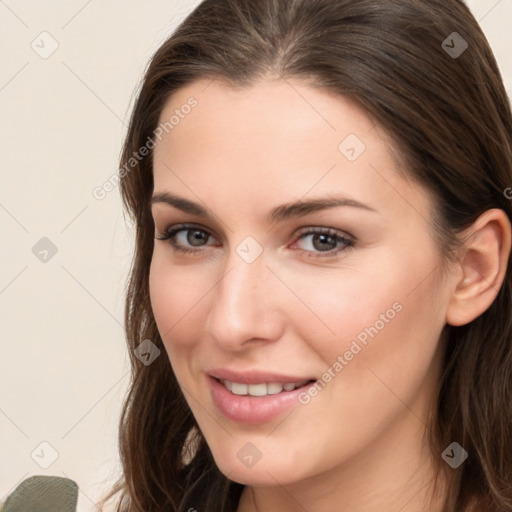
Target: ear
pixel 482 264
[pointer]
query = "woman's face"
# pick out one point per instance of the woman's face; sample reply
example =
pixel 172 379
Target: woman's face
pixel 307 258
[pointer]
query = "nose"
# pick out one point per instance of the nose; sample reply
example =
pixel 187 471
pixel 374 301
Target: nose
pixel 244 305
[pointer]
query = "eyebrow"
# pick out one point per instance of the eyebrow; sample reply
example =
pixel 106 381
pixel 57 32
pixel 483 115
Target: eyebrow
pixel 278 214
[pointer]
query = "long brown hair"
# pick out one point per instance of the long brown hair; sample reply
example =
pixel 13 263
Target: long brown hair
pixel 447 112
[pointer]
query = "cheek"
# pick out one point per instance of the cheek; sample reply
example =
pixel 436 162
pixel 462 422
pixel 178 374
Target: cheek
pixel 169 298
pixel 380 320
pixel 334 306
pixel 178 297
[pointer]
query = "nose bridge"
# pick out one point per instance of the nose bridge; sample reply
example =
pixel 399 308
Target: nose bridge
pixel 242 305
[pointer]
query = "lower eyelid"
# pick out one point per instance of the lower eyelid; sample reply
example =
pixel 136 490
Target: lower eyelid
pixel 169 235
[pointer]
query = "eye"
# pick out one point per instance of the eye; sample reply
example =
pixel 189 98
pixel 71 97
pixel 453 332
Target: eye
pixel 321 242
pixel 316 242
pixel 184 238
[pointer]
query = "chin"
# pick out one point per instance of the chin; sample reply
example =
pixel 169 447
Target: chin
pixel 255 478
pixel 260 474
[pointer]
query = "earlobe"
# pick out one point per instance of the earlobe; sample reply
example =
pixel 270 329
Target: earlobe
pixel 482 267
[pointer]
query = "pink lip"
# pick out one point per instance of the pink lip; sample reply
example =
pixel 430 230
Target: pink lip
pixel 255 376
pixel 253 409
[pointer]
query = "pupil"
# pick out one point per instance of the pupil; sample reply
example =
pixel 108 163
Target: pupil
pixel 324 240
pixel 196 237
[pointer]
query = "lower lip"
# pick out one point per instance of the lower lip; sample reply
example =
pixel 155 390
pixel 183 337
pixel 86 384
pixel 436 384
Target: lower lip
pixel 253 409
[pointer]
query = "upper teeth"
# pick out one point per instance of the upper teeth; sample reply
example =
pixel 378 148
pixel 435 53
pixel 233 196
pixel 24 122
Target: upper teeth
pixel 273 388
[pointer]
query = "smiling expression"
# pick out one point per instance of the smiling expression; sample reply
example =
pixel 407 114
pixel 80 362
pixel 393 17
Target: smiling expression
pixel 283 232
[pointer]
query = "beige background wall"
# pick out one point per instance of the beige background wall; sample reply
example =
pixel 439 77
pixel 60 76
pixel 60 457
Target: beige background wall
pixel 63 362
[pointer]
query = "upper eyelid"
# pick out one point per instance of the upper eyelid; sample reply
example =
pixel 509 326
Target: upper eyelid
pixel 308 230
pixel 186 225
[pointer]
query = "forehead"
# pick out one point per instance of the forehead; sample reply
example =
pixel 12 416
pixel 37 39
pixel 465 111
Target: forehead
pixel 276 137
pixel 275 111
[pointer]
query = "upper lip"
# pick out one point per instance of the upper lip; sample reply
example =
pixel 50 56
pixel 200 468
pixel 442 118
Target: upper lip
pixel 255 376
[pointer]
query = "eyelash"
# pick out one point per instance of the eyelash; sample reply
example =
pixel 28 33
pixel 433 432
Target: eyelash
pixel 347 243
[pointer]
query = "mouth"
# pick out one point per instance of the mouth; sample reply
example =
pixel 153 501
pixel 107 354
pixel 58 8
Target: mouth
pixel 261 389
pixel 258 402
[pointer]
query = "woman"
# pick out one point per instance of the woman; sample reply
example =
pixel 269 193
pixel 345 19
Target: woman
pixel 319 313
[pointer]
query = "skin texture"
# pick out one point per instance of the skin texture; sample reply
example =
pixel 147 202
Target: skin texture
pixel 359 444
